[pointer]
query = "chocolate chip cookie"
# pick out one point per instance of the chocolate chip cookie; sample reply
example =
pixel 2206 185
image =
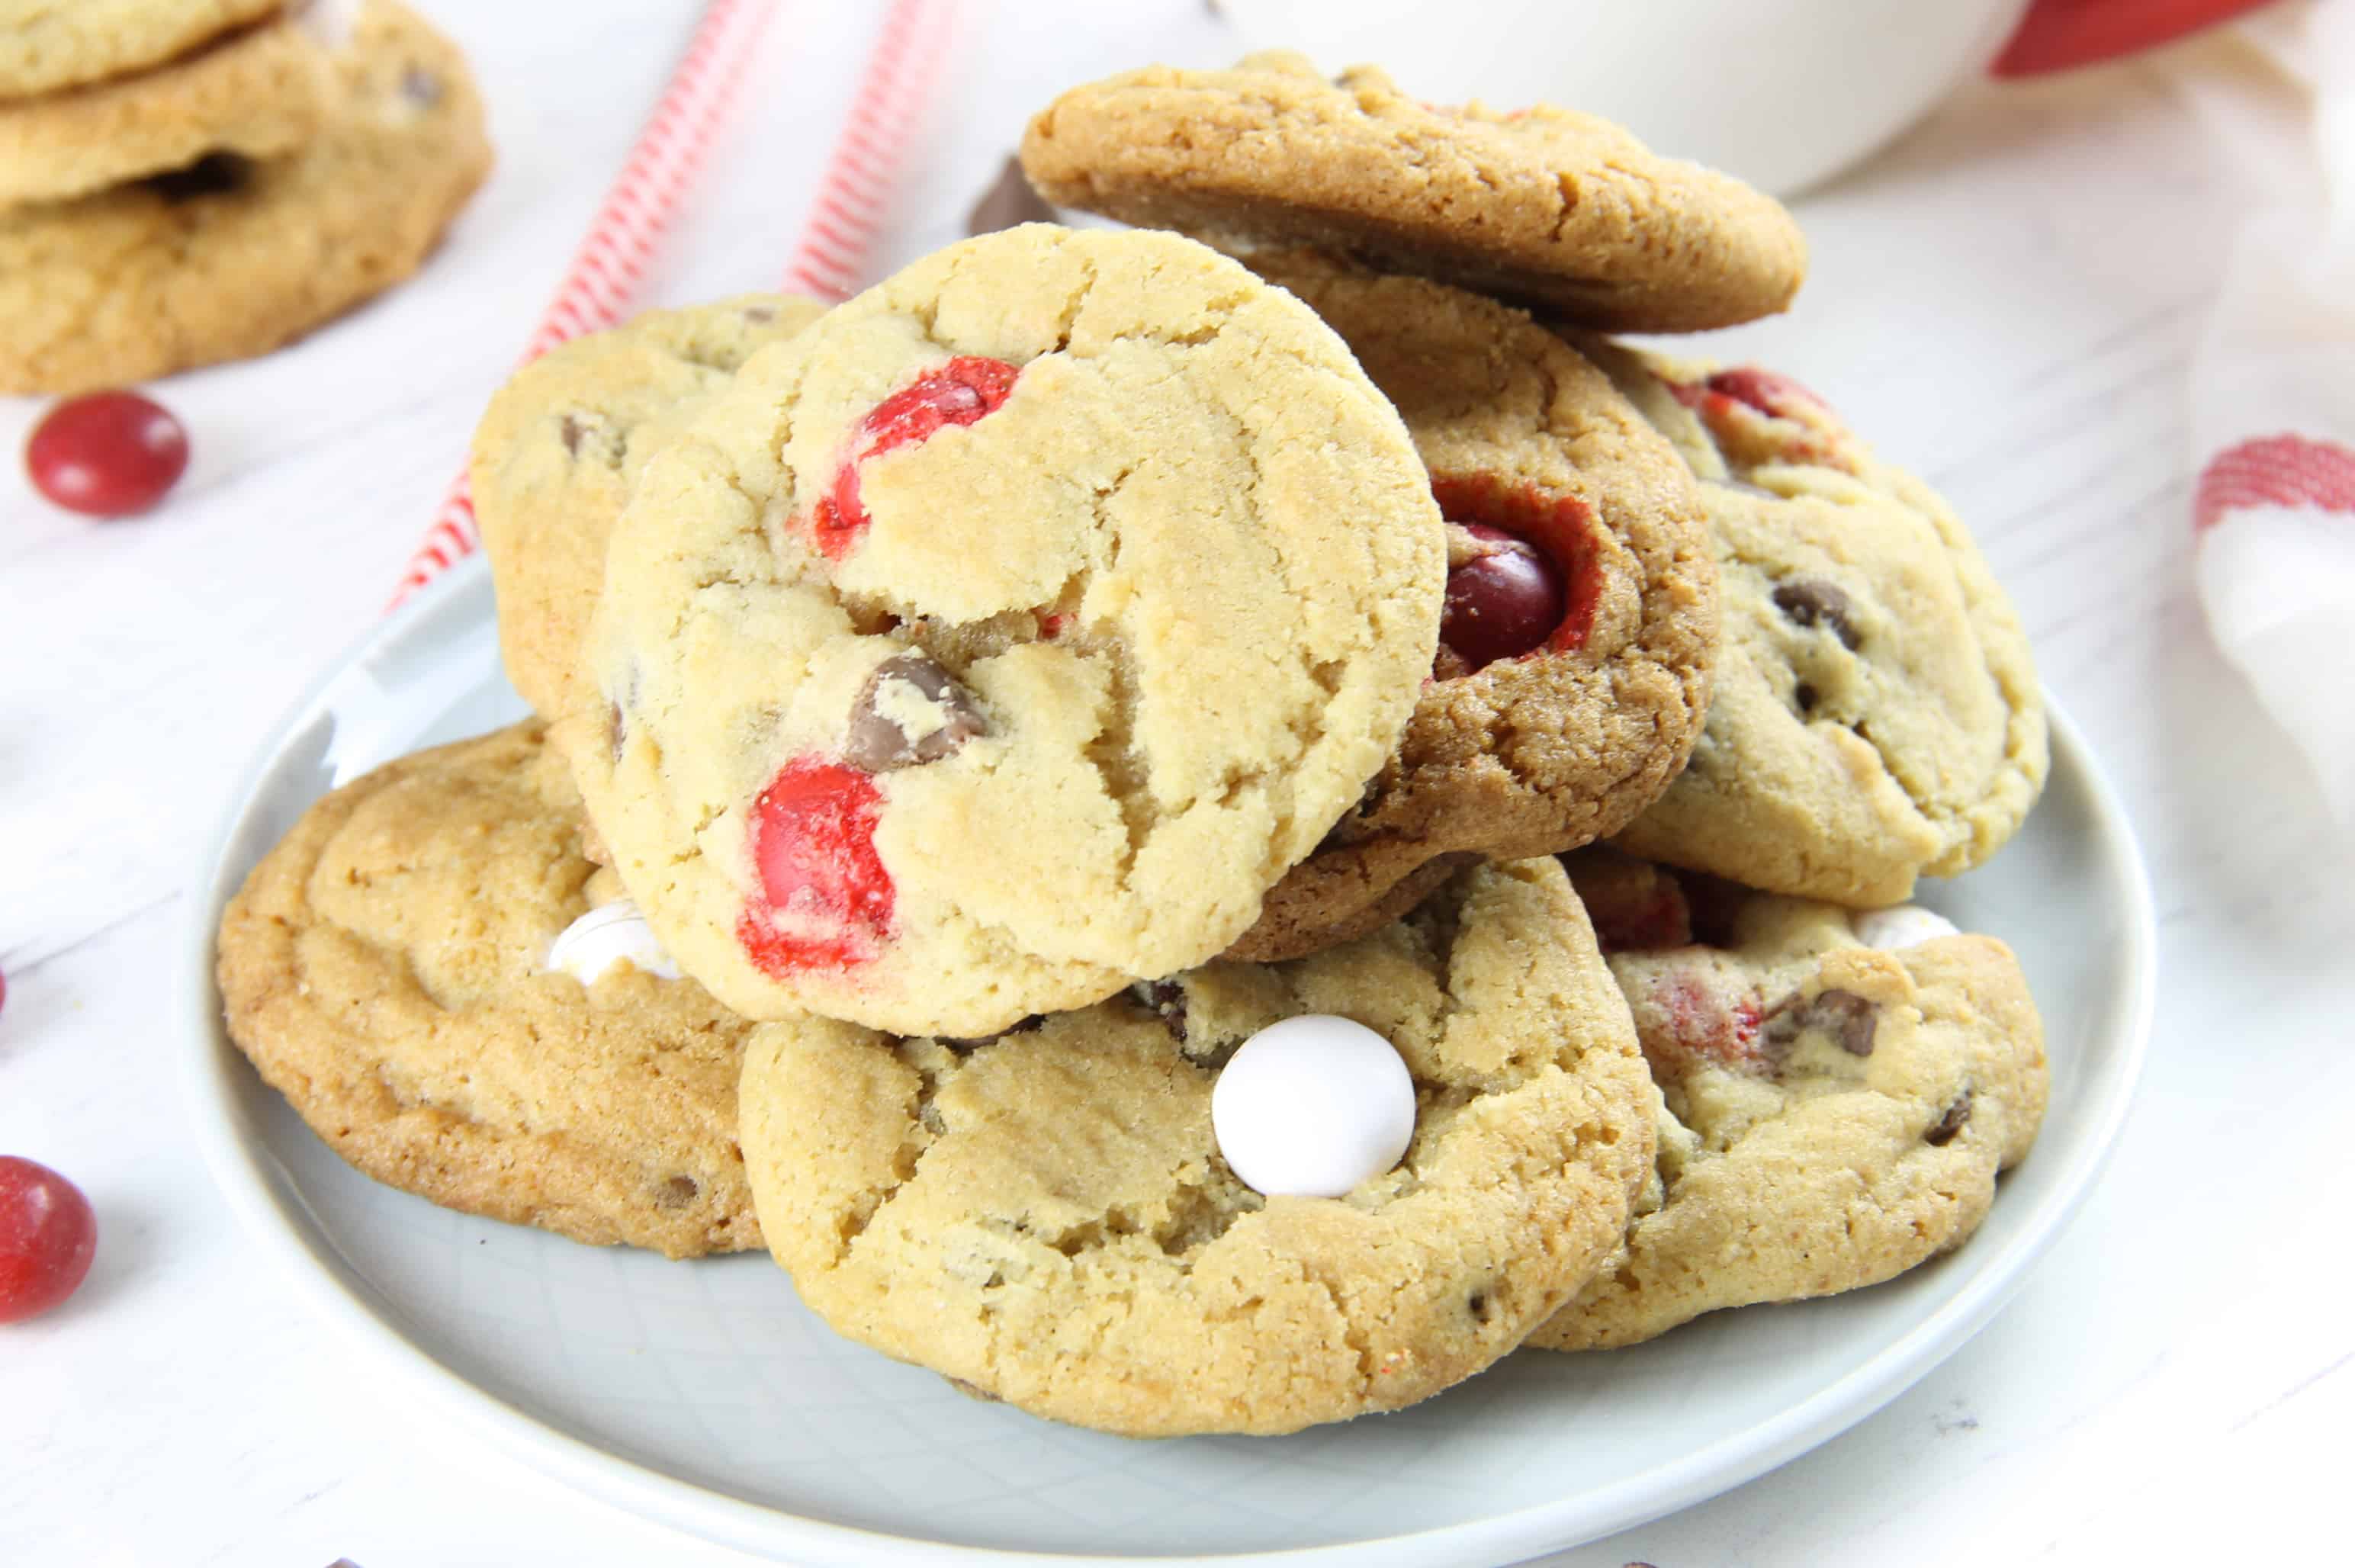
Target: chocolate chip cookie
pixel 48 45
pixel 385 968
pixel 1835 1113
pixel 227 257
pixel 1877 715
pixel 1539 205
pixel 1044 1215
pixel 1006 634
pixel 253 93
pixel 563 443
pixel 1580 617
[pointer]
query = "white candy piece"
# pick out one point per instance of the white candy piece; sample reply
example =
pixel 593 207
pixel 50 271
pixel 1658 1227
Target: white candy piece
pixel 609 935
pixel 1311 1106
pixel 1901 926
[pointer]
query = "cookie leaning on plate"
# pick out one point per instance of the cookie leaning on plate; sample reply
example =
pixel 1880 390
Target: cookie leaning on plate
pixel 226 259
pixel 1835 1113
pixel 1006 634
pixel 1045 1215
pixel 1582 606
pixel 253 93
pixel 561 443
pixel 1540 205
pixel 48 45
pixel 384 967
pixel 1877 715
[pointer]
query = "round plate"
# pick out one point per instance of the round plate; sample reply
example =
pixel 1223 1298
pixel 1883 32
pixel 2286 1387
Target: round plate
pixel 703 1395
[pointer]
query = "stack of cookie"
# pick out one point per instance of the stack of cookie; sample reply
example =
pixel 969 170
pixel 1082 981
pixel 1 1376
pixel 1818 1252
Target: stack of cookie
pixel 1207 827
pixel 189 181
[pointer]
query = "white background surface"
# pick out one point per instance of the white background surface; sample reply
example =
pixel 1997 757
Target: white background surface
pixel 2006 300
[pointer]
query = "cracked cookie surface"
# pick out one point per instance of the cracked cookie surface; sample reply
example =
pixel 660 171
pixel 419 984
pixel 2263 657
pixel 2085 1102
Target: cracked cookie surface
pixel 1045 1217
pixel 1834 1114
pixel 1546 733
pixel 1540 204
pixel 253 93
pixel 1877 715
pixel 563 443
pixel 226 258
pixel 1003 636
pixel 48 45
pixel 384 967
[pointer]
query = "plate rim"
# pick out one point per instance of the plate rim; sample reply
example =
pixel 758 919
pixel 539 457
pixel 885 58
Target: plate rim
pixel 281 1225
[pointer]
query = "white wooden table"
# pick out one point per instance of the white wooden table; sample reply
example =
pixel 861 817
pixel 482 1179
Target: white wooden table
pixel 2006 300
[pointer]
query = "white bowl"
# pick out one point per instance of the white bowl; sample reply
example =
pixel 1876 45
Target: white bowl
pixel 705 1395
pixel 1785 93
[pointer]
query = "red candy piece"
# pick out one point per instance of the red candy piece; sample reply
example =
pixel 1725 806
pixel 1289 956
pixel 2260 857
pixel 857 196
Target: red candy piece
pixel 48 1236
pixel 957 393
pixel 1769 392
pixel 106 454
pixel 1657 917
pixel 1543 597
pixel 828 897
pixel 1702 1030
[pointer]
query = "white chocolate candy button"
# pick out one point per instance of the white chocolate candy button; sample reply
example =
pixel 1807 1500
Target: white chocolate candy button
pixel 609 935
pixel 1311 1106
pixel 1901 926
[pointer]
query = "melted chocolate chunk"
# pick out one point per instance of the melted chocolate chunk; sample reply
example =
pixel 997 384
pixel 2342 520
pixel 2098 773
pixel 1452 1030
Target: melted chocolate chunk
pixel 1008 202
pixel 1812 602
pixel 877 744
pixel 617 730
pixel 1165 998
pixel 1847 1018
pixel 1804 697
pixel 570 433
pixel 215 173
pixel 1943 1131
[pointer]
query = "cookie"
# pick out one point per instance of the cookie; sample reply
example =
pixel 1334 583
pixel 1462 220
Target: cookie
pixel 1045 1216
pixel 1539 205
pixel 48 45
pixel 1877 715
pixel 560 445
pixel 253 93
pixel 228 259
pixel 1835 1113
pixel 1006 634
pixel 1580 620
pixel 384 968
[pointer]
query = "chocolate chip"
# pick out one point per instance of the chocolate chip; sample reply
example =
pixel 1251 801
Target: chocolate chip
pixel 1847 1018
pixel 570 433
pixel 1008 202
pixel 1802 696
pixel 1812 602
pixel 876 743
pixel 759 314
pixel 1165 998
pixel 1479 1306
pixel 676 1192
pixel 1943 1131
pixel 617 730
pixel 420 87
pixel 215 173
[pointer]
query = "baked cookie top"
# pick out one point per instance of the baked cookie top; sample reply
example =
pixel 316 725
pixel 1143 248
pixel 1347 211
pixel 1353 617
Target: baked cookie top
pixel 1539 205
pixel 226 258
pixel 45 45
pixel 255 92
pixel 1581 616
pixel 385 969
pixel 1045 1215
pixel 1835 1113
pixel 1877 714
pixel 1004 637
pixel 563 443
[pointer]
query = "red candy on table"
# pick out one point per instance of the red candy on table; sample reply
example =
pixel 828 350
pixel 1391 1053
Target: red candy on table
pixel 48 1236
pixel 957 393
pixel 828 899
pixel 107 455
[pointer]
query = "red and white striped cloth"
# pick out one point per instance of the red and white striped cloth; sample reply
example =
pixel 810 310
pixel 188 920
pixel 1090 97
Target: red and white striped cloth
pixel 600 288
pixel 2272 427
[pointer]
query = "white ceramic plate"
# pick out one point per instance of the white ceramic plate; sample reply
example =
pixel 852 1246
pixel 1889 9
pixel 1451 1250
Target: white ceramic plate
pixel 703 1395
